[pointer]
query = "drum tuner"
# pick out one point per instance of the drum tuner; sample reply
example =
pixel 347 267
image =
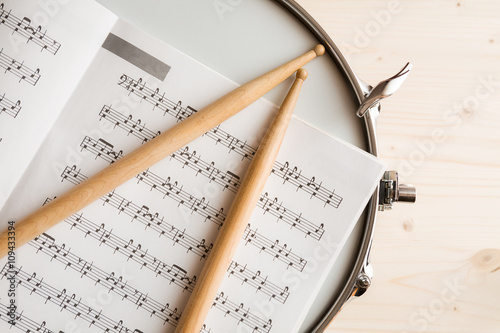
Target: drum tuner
pixel 390 191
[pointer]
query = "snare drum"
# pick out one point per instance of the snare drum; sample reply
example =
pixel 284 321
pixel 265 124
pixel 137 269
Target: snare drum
pixel 227 34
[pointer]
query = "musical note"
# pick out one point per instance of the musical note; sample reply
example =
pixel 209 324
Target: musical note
pixel 257 282
pixel 275 207
pixel 278 252
pixel 134 127
pixel 173 191
pixel 19 69
pixel 31 33
pixel 101 148
pixel 66 301
pixel 237 311
pixel 9 107
pixel 72 175
pixel 294 177
pixel 204 329
pixel 156 99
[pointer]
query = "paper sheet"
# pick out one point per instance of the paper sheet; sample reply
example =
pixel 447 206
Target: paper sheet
pixel 45 47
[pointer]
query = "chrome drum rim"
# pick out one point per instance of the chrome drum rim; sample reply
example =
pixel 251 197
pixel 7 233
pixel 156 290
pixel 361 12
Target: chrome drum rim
pixel 360 89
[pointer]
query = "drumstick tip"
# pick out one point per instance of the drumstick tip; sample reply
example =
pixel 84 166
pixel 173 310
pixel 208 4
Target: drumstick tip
pixel 301 74
pixel 319 49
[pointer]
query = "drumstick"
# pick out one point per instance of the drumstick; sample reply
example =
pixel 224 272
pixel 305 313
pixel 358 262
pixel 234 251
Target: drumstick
pixel 225 245
pixel 150 153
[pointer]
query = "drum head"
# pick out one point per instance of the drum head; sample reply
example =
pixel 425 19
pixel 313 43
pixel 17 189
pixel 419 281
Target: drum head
pixel 240 39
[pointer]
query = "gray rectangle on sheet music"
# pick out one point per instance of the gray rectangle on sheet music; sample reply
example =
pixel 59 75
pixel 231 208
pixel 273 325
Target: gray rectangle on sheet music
pixel 136 56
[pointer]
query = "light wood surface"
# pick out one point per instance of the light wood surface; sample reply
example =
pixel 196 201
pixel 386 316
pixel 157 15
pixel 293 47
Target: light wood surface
pixel 152 152
pixel 246 198
pixel 436 262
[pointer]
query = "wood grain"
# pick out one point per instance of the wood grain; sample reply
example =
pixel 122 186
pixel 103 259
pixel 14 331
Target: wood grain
pixel 436 262
pixel 246 198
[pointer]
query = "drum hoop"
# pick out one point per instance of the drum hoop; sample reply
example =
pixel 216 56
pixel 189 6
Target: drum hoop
pixel 360 89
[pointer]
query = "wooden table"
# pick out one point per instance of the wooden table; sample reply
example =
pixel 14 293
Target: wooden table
pixel 437 262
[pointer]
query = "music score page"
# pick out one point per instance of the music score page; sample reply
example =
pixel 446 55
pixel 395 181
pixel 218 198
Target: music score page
pixel 129 261
pixel 44 52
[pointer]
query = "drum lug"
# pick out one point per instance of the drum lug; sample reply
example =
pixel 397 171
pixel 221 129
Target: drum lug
pixel 382 90
pixel 390 190
pixel 363 281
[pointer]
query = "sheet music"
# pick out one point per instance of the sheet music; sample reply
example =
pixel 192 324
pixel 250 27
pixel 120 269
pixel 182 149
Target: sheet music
pixel 128 262
pixel 44 47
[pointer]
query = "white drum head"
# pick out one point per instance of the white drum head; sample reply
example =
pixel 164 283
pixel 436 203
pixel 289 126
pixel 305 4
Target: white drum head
pixel 247 38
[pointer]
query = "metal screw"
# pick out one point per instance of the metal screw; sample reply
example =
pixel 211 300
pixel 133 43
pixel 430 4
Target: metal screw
pixel 364 281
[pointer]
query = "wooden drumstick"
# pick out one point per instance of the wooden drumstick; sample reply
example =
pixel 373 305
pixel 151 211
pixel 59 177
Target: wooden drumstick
pixel 151 152
pixel 229 236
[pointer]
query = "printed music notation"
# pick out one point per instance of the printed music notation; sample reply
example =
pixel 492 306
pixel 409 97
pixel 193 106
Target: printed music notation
pixel 173 273
pixel 19 69
pixel 24 28
pixel 66 301
pixel 113 283
pixel 275 208
pixel 309 185
pixel 259 283
pixel 228 180
pixel 23 322
pixel 225 179
pixel 243 316
pixel 139 88
pixel 136 128
pixel 171 189
pixel 47 245
pixel 168 188
pixel 101 148
pixel 72 175
pixel 200 248
pixel 153 221
pixel 291 175
pixel 9 107
pixel 274 249
pixel 153 97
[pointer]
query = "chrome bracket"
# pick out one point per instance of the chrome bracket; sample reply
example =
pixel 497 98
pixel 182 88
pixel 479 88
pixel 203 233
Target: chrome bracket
pixel 390 191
